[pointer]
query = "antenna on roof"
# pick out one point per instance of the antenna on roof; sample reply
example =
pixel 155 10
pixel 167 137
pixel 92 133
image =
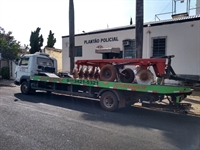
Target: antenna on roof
pixel 131 21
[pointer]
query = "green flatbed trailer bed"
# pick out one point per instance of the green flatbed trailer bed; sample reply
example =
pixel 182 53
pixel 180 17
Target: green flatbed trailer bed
pixel 112 95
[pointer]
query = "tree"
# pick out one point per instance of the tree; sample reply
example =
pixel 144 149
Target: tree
pixel 51 40
pixel 131 22
pixel 9 47
pixel 36 41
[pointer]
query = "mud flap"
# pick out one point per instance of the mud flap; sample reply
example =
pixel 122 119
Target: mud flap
pixel 122 103
pixel 121 99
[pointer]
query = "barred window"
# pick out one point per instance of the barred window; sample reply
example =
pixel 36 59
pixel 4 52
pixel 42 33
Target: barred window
pixel 159 47
pixel 129 48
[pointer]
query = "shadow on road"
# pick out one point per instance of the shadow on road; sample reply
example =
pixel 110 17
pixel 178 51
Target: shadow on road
pixel 173 126
pixel 61 100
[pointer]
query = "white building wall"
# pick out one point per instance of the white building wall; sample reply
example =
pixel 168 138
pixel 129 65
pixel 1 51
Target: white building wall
pixel 89 49
pixel 13 66
pixel 183 41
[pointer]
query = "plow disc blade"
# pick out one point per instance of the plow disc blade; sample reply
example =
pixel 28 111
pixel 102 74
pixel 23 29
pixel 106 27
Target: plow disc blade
pixel 144 77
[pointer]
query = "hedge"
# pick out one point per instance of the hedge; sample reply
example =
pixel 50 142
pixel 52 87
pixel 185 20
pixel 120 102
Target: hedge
pixel 5 72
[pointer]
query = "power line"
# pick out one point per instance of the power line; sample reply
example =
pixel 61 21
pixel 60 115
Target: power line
pixel 166 6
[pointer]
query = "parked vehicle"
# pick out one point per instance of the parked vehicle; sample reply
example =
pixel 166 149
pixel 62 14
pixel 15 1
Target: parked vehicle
pixel 39 72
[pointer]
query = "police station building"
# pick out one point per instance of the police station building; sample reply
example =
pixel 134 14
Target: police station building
pixel 179 37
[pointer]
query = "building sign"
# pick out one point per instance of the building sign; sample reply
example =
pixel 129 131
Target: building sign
pixel 102 40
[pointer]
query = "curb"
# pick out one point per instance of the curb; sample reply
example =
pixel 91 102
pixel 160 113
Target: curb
pixel 8 85
pixel 196 88
pixel 192 113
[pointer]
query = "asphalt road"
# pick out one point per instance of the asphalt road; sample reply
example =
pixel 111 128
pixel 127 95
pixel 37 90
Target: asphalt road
pixel 57 122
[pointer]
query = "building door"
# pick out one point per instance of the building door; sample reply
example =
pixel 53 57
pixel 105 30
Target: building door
pixel 112 55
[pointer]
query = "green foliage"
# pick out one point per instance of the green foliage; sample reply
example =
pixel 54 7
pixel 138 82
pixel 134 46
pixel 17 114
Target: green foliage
pixel 51 40
pixel 9 47
pixel 5 73
pixel 36 41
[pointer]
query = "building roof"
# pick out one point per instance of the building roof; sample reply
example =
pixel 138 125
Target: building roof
pixel 154 23
pixel 53 49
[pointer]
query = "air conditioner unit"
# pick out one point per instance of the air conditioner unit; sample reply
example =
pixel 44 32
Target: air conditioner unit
pixel 126 43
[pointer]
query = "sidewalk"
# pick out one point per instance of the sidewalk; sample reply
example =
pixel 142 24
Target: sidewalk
pixel 9 83
pixel 194 99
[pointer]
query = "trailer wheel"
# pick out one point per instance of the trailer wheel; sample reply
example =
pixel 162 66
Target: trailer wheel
pixel 108 73
pixel 25 89
pixel 109 101
pixel 127 75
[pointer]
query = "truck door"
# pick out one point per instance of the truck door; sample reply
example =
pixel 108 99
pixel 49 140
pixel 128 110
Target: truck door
pixel 22 68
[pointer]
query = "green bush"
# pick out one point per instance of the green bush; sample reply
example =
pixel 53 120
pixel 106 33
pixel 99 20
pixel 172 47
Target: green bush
pixel 5 73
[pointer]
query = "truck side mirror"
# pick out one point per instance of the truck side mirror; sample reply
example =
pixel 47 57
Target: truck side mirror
pixel 16 61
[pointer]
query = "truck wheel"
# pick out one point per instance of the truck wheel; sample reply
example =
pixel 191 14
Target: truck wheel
pixel 128 75
pixel 32 91
pixel 109 101
pixel 108 73
pixel 25 89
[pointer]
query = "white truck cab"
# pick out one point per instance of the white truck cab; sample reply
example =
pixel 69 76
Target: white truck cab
pixel 33 64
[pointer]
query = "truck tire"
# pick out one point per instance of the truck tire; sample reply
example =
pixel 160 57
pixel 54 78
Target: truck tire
pixel 128 76
pixel 25 89
pixel 109 101
pixel 32 91
pixel 108 73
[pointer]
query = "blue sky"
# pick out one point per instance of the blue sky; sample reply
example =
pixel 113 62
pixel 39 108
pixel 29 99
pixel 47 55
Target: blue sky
pixel 23 16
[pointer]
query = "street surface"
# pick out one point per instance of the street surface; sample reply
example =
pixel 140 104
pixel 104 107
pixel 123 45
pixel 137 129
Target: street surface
pixel 58 122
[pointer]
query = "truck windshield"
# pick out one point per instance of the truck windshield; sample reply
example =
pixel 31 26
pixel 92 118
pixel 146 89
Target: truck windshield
pixel 24 61
pixel 44 62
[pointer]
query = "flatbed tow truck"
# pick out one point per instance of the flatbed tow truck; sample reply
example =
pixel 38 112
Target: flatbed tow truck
pixel 38 72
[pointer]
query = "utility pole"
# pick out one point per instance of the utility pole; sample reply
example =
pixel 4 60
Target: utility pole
pixel 71 34
pixel 139 28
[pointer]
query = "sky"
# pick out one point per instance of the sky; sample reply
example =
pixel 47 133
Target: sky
pixel 24 16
